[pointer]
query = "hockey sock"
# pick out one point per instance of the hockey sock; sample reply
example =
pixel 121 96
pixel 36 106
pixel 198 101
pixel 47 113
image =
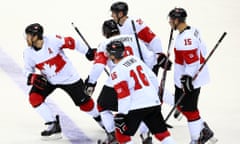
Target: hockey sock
pixel 45 112
pixel 107 120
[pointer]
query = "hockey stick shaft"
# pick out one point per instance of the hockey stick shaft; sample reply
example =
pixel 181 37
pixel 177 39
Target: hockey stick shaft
pixel 136 37
pixel 85 41
pixel 195 76
pixel 164 75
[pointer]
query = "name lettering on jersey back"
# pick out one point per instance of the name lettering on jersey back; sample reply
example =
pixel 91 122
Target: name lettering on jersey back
pixel 124 39
pixel 129 62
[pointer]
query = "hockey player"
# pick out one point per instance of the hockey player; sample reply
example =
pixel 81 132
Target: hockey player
pixel 152 41
pixel 107 100
pixel 190 53
pixel 47 68
pixel 137 93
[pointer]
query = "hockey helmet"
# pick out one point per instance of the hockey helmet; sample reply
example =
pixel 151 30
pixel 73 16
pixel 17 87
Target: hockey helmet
pixel 34 29
pixel 119 7
pixel 178 13
pixel 110 28
pixel 116 48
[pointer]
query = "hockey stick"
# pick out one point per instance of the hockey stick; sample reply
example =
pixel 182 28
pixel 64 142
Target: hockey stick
pixel 164 75
pixel 195 76
pixel 138 45
pixel 84 40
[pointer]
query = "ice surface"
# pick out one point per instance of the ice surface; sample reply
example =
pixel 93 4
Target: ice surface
pixel 20 124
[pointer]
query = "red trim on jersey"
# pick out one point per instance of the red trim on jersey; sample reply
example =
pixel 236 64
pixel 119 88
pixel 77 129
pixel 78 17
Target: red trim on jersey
pixel 188 56
pixel 202 59
pixel 69 42
pixel 162 135
pixel 122 89
pixel 100 58
pixel 58 61
pixel 146 34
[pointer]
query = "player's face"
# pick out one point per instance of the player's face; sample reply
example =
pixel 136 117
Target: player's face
pixel 31 39
pixel 173 23
pixel 114 16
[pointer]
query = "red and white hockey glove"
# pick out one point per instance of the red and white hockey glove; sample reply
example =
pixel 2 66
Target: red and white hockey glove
pixel 37 80
pixel 120 122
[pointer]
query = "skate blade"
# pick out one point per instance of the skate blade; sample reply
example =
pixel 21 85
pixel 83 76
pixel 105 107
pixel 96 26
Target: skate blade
pixel 52 137
pixel 212 140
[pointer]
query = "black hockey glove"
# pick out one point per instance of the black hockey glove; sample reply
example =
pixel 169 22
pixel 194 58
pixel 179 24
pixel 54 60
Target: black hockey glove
pixel 162 59
pixel 186 81
pixel 37 80
pixel 91 54
pixel 120 122
pixel 89 87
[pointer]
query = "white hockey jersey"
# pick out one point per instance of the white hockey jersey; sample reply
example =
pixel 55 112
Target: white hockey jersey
pixel 131 48
pixel 136 85
pixel 190 53
pixel 51 61
pixel 144 33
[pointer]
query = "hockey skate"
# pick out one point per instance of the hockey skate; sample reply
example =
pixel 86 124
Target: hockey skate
pixel 53 131
pixel 111 139
pixel 206 136
pixel 146 139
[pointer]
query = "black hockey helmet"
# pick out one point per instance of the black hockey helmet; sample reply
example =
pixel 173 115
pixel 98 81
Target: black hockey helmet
pixel 35 29
pixel 178 13
pixel 119 7
pixel 110 28
pixel 116 48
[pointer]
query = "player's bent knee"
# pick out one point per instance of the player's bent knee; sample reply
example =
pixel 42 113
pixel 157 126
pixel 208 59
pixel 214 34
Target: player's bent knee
pixel 87 105
pixel 35 99
pixel 163 135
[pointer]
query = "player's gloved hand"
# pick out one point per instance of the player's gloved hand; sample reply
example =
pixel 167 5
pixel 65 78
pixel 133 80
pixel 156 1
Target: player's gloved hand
pixel 37 80
pixel 89 87
pixel 120 122
pixel 91 54
pixel 162 59
pixel 186 81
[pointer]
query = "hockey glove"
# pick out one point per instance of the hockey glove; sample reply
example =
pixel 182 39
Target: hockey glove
pixel 89 87
pixel 120 122
pixel 91 54
pixel 162 59
pixel 186 81
pixel 37 80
